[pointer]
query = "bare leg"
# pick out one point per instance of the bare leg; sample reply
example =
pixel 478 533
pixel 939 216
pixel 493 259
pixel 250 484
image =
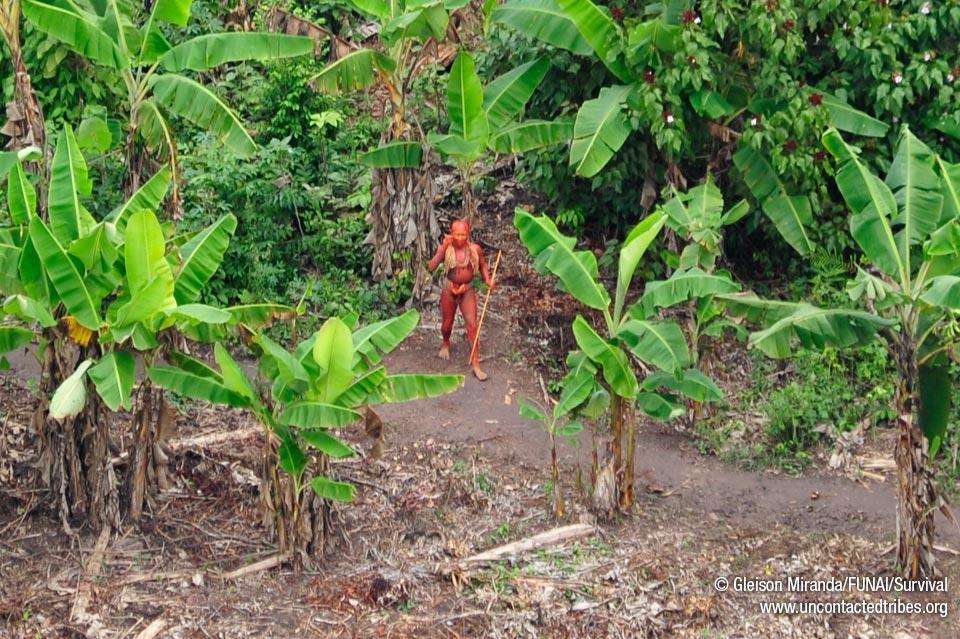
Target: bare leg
pixel 448 308
pixel 468 306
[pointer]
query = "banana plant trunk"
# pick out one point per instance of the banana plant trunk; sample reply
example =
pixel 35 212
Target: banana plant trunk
pixel 75 455
pixel 558 509
pixel 626 489
pixel 154 419
pixel 917 496
pixel 24 125
pixel 299 521
pixel 403 225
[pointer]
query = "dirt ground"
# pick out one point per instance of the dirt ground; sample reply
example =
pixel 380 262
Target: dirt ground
pixel 460 474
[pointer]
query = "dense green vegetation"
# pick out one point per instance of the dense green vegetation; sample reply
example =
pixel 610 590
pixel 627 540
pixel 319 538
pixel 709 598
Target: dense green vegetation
pixel 787 167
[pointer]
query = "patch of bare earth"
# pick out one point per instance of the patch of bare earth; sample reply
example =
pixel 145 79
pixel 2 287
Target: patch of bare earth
pixel 460 475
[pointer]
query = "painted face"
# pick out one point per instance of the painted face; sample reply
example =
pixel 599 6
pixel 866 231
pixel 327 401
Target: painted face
pixel 460 231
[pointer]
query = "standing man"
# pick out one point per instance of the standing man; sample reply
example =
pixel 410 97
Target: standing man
pixel 462 259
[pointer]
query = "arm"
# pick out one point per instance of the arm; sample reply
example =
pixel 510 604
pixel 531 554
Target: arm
pixel 484 269
pixel 439 255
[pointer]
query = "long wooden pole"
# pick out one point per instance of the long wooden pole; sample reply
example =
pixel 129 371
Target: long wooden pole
pixel 493 280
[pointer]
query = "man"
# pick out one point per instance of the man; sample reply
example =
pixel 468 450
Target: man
pixel 462 259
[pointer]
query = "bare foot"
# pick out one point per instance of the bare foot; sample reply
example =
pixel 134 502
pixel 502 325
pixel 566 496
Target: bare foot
pixel 479 374
pixel 444 352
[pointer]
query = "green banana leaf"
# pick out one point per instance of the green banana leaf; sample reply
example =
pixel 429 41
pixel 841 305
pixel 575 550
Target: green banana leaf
pixel 545 21
pixel 600 130
pixel 211 50
pixel 554 252
pixel 198 104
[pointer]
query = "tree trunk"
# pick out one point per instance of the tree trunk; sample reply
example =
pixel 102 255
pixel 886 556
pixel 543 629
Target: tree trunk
pixel 24 124
pixel 403 226
pixel 917 497
pixel 298 523
pixel 626 487
pixel 75 456
pixel 555 475
pixel 153 423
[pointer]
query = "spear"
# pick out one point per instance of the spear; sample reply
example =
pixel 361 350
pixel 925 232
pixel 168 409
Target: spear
pixel 493 280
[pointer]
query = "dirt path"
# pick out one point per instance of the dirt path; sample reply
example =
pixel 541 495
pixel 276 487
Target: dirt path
pixel 484 416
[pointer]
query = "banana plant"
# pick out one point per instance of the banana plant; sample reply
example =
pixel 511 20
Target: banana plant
pixel 636 54
pixel 411 39
pixel 697 217
pixel 907 295
pixel 485 119
pixel 320 386
pixel 659 344
pixel 97 295
pixel 131 40
pixel 581 397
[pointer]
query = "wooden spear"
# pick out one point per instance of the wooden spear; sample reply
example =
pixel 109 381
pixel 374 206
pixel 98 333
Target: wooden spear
pixel 493 281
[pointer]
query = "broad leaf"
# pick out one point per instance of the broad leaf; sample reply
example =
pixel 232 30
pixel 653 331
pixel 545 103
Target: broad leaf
pixel 318 415
pixel 505 97
pixel 114 376
pixel 144 251
pixel 691 383
pixel 356 70
pixel 199 314
pixel 816 328
pixel 530 135
pixel 394 155
pixel 844 117
pixel 173 11
pixel 934 388
pixel 69 219
pixel 233 375
pixel 327 444
pixel 578 385
pixel 554 252
pixel 201 257
pixel 943 291
pixel 633 248
pixel 683 285
pixel 659 406
pixel 363 390
pixel 949 189
pixel 195 386
pixel 329 489
pixel 790 214
pixel 21 197
pixel 872 206
pixel 531 411
pixel 613 361
pixel 545 21
pixel 71 396
pixel 28 310
pixel 66 277
pixel 408 387
pixel 149 196
pixel 661 344
pixel 291 457
pixel 465 101
pixel 13 337
pixel 916 189
pixel 333 354
pixel 600 130
pixel 211 50
pixel 598 29
pixel 78 30
pixel 198 104
pixel 372 341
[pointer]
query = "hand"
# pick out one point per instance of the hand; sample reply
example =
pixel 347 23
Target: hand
pixel 447 241
pixel 490 286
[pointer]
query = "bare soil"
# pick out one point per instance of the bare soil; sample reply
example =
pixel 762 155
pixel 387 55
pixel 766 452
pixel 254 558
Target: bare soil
pixel 460 474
